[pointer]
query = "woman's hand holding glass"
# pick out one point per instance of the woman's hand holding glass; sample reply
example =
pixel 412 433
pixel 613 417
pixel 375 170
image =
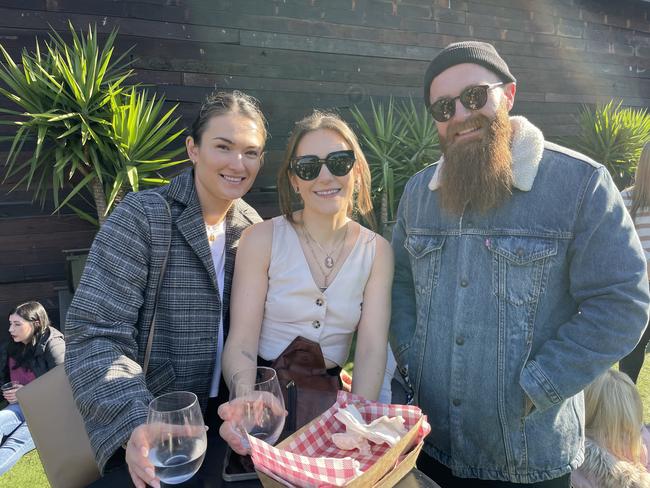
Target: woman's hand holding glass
pixel 9 391
pixel 256 407
pixel 171 446
pixel 141 470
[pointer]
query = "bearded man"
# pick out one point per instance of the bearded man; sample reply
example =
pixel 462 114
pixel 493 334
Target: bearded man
pixel 519 279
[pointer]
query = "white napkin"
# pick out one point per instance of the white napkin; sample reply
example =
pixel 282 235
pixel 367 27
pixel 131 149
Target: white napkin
pixel 384 430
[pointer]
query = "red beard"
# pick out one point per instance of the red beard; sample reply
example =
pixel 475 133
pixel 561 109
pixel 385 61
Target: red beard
pixel 477 174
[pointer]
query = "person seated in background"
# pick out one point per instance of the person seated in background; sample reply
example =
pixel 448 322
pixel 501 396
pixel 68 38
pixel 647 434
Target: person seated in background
pixel 313 274
pixel 616 445
pixel 35 348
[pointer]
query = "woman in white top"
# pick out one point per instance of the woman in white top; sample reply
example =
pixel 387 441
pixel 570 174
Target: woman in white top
pixel 314 272
pixel 637 201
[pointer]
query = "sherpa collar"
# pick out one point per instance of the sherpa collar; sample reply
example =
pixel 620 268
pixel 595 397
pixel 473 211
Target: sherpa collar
pixel 527 149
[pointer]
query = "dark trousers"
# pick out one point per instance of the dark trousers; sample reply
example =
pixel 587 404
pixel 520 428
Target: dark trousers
pixel 441 474
pixel 632 363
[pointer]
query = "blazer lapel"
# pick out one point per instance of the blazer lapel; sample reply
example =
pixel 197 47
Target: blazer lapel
pixel 190 221
pixel 233 233
pixel 192 227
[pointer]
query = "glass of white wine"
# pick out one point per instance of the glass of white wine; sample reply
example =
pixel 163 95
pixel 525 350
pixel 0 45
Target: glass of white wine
pixel 258 404
pixel 177 439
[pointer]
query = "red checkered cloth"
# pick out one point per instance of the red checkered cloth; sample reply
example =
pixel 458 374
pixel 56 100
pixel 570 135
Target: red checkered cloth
pixel 312 459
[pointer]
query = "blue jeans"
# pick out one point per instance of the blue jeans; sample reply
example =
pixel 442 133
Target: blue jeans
pixel 16 439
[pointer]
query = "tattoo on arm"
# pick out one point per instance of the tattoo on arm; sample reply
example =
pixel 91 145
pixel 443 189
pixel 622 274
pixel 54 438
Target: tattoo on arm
pixel 248 355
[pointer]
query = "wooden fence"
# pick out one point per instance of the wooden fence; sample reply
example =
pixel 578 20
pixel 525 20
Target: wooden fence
pixel 295 55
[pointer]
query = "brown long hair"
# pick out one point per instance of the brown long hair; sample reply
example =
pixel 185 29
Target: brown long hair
pixel 361 204
pixel 641 189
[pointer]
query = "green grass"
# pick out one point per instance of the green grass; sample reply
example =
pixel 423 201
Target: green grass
pixel 28 472
pixel 643 384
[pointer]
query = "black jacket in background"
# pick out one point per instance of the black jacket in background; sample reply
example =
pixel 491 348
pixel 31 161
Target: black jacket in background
pixel 49 352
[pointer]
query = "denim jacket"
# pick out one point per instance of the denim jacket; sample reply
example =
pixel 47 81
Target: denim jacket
pixel 534 298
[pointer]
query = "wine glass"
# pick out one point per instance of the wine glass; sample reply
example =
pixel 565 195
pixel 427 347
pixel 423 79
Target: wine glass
pixel 177 439
pixel 11 386
pixel 258 404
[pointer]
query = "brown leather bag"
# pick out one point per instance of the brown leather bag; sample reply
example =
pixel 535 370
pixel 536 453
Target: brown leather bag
pixel 307 387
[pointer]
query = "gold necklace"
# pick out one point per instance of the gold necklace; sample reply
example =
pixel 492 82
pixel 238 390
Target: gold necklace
pixel 329 261
pixel 326 274
pixel 212 230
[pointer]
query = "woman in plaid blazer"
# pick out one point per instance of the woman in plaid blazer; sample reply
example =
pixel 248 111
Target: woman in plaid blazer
pixel 108 322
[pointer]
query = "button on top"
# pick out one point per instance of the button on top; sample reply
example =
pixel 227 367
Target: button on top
pixel 460 340
pixel 464 283
pixel 456 402
pixel 315 324
pixel 319 302
pixel 520 252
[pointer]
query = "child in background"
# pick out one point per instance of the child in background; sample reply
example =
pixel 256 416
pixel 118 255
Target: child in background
pixel 616 444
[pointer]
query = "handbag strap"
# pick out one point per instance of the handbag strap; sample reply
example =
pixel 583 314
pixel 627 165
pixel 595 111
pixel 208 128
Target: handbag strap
pixel 163 268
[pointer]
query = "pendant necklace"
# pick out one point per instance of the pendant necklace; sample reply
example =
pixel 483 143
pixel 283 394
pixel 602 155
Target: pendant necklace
pixel 212 230
pixel 327 271
pixel 329 261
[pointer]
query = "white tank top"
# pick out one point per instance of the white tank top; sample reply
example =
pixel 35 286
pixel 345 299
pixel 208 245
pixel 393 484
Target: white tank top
pixel 295 305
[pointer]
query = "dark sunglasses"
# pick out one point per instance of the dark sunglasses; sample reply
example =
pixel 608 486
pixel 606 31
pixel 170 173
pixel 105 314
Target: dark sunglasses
pixel 307 168
pixel 472 98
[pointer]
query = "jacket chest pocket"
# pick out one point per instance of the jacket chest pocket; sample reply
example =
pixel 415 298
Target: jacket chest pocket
pixel 424 252
pixel 160 377
pixel 520 267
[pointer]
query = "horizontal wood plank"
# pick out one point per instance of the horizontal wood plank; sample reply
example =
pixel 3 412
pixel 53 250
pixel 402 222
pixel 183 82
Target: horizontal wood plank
pixel 296 55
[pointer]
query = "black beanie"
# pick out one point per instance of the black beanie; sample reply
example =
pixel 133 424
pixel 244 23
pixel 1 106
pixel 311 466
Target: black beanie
pixel 475 52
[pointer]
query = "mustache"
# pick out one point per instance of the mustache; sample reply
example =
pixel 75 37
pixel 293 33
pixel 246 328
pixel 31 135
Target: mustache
pixel 474 122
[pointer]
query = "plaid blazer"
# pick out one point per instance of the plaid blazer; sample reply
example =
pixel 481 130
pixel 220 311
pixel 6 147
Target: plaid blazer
pixel 108 321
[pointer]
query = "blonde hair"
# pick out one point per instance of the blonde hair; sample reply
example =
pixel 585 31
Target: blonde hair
pixel 641 189
pixel 362 204
pixel 614 415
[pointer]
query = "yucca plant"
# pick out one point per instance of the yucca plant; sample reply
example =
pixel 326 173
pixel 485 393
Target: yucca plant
pixel 140 134
pixel 612 135
pixel 89 133
pixel 398 141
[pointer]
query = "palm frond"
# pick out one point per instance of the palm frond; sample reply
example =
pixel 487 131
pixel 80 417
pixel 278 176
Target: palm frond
pixel 398 140
pixel 612 135
pixel 88 129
